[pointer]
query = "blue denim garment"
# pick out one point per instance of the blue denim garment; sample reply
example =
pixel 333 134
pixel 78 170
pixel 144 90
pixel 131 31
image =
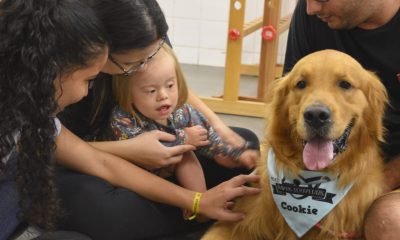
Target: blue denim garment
pixel 9 198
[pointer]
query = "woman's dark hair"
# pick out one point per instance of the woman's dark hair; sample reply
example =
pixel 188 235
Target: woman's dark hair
pixel 40 41
pixel 130 24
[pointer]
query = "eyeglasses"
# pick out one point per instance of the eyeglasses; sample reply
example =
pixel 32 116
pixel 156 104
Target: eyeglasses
pixel 141 64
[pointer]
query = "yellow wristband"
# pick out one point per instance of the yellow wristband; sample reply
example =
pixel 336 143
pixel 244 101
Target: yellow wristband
pixel 196 206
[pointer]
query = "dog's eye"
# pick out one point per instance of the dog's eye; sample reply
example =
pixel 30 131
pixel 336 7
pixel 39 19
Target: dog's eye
pixel 344 84
pixel 301 84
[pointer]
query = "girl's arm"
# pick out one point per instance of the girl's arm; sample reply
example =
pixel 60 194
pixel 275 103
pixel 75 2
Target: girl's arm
pixel 217 148
pixel 74 153
pixel 227 134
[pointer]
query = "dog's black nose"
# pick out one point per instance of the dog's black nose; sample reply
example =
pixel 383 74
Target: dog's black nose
pixel 317 116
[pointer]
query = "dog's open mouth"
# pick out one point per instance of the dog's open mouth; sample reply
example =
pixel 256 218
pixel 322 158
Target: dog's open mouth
pixel 319 153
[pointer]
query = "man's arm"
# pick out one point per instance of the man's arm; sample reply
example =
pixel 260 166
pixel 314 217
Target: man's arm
pixel 392 174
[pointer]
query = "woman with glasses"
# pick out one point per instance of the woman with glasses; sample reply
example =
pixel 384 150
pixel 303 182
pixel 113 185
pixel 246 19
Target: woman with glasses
pixel 140 65
pixel 93 206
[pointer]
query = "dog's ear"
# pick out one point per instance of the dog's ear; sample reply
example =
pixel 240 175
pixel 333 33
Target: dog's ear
pixel 276 99
pixel 377 98
pixel 277 90
pixel 276 106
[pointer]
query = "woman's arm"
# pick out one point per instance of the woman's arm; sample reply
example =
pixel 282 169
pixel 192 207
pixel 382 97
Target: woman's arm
pixel 74 153
pixel 145 150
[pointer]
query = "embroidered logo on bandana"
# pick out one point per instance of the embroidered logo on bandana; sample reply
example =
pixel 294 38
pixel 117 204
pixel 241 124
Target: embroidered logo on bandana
pixel 305 200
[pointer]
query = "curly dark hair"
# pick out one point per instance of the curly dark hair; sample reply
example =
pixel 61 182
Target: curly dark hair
pixel 40 41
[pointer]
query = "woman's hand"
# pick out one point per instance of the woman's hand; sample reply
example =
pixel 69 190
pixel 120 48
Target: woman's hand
pixel 146 150
pixel 216 203
pixel 150 153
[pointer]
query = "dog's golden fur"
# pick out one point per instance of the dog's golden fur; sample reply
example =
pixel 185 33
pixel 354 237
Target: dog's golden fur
pixel 352 94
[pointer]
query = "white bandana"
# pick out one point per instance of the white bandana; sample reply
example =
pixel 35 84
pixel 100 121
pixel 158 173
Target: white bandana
pixel 305 200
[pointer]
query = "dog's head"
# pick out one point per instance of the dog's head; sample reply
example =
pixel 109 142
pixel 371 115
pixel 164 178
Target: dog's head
pixel 326 107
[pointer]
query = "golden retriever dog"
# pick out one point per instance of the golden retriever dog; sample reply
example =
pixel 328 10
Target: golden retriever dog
pixel 321 168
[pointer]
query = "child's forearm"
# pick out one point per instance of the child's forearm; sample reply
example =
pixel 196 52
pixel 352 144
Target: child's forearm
pixel 199 105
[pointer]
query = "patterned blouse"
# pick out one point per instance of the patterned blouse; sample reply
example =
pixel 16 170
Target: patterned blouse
pixel 125 126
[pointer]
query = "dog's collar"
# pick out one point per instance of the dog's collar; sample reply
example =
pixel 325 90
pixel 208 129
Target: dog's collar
pixel 340 144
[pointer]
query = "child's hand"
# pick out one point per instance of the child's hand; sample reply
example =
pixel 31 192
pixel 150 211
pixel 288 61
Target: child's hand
pixel 249 158
pixel 196 136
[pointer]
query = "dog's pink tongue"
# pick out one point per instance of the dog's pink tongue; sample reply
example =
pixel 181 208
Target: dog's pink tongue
pixel 318 154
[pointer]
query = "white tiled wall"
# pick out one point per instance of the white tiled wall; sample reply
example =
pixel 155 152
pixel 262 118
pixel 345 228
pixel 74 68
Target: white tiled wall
pixel 198 30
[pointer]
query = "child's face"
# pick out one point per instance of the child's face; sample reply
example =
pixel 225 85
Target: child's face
pixel 155 90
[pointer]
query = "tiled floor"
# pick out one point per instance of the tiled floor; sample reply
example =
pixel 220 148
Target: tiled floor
pixel 208 81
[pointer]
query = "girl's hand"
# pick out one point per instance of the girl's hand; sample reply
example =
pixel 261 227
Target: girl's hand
pixel 247 159
pixel 196 136
pixel 216 203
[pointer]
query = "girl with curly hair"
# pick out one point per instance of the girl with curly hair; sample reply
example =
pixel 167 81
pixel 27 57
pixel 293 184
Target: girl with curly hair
pixel 50 50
